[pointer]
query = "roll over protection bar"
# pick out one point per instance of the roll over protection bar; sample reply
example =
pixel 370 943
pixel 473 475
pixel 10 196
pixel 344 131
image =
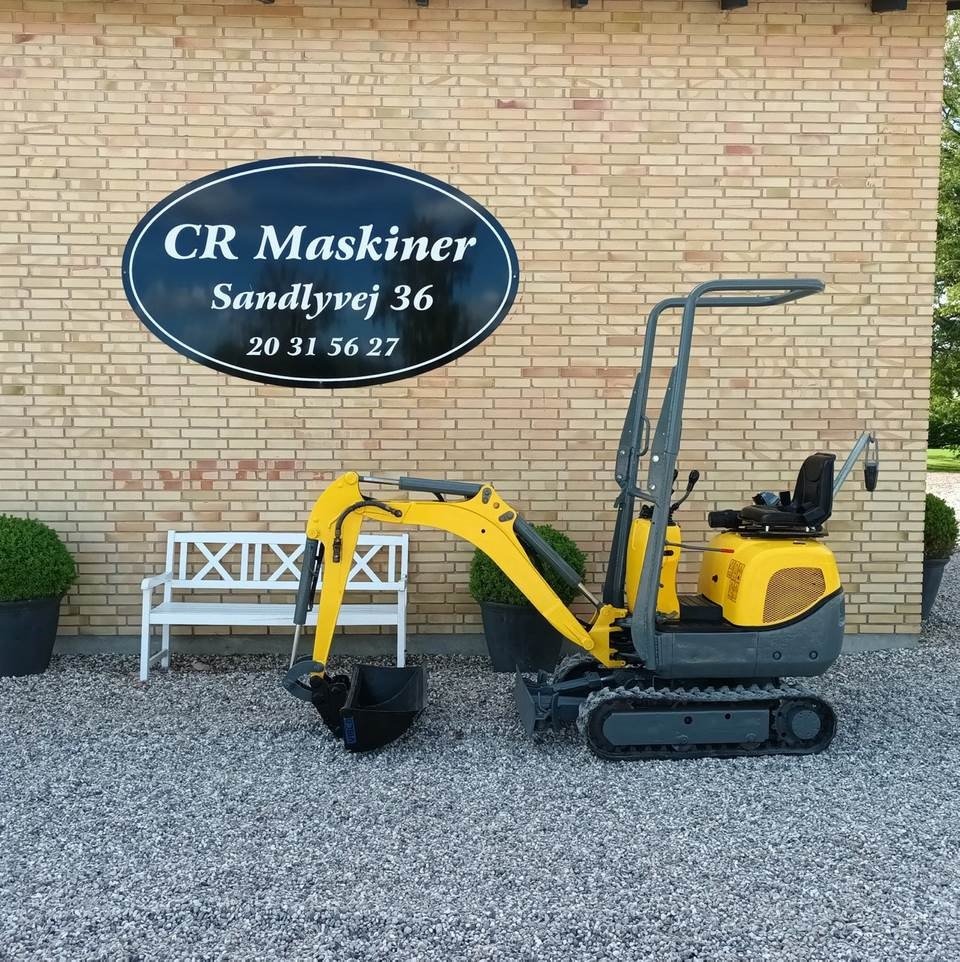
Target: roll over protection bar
pixel 665 445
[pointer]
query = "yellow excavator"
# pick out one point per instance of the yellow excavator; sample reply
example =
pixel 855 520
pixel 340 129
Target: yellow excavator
pixel 661 674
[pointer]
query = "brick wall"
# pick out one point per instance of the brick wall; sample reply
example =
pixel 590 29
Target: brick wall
pixel 631 149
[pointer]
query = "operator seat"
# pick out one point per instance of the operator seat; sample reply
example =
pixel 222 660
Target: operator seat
pixel 808 509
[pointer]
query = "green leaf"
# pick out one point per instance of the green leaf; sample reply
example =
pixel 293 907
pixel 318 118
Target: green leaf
pixel 33 561
pixel 939 528
pixel 945 379
pixel 489 583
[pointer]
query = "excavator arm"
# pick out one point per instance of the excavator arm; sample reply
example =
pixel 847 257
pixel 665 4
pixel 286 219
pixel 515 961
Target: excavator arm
pixel 481 516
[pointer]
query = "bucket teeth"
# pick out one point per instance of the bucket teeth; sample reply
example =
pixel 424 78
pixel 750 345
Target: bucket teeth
pixel 329 695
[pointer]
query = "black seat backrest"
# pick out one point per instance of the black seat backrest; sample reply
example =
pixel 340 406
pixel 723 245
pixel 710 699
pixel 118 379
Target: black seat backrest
pixel 813 495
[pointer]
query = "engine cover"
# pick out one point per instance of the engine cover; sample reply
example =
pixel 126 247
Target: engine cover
pixel 767 581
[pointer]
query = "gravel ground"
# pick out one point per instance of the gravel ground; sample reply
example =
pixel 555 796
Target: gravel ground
pixel 210 816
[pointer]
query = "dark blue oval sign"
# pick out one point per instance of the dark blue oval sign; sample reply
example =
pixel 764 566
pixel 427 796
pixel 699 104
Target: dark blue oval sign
pixel 320 272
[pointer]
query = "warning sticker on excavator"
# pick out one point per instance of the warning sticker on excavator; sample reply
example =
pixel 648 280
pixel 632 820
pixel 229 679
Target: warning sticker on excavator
pixel 734 574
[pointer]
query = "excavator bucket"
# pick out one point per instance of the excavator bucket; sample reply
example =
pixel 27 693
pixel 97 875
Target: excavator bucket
pixel 381 705
pixel 372 708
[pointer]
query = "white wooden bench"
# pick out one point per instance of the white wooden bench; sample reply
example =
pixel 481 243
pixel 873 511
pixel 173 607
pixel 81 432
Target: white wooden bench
pixel 264 562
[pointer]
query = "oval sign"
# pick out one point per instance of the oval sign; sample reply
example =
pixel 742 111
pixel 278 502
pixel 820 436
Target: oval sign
pixel 320 272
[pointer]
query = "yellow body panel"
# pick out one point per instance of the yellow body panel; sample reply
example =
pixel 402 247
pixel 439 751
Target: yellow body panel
pixel 767 581
pixel 668 605
pixel 479 520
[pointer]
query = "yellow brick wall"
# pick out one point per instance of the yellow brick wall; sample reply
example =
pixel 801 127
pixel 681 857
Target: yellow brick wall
pixel 631 149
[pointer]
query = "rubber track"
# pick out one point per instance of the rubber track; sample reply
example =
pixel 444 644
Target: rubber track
pixel 570 666
pixel 776 698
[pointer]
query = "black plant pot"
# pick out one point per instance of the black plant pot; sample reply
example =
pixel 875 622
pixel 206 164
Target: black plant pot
pixel 28 630
pixel 519 638
pixel 932 576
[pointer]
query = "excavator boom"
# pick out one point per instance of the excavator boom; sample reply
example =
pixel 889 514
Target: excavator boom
pixel 483 517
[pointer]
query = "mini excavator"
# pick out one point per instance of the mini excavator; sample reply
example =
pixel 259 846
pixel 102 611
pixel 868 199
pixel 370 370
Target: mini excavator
pixel 660 674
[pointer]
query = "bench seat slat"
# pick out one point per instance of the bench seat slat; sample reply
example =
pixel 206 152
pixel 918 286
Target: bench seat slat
pixel 200 613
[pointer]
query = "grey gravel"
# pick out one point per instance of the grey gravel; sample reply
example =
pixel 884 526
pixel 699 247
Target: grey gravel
pixel 209 816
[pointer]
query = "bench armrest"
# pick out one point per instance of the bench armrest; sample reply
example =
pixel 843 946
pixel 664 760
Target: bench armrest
pixel 148 584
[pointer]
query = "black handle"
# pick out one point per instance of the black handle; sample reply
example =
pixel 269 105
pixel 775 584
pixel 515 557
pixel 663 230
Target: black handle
pixel 692 478
pixel 309 573
pixel 460 489
pixel 530 539
pixel 871 464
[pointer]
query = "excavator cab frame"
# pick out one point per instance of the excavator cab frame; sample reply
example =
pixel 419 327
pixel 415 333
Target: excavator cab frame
pixel 664 448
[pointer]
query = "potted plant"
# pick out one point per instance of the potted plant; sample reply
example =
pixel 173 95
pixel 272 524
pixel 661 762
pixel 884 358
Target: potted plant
pixel 35 572
pixel 518 636
pixel 939 543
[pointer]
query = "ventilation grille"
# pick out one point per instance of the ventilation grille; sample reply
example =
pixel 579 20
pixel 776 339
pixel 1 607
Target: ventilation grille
pixel 791 591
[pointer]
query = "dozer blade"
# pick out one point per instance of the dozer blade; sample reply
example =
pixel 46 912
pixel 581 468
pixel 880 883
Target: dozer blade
pixel 372 708
pixel 553 701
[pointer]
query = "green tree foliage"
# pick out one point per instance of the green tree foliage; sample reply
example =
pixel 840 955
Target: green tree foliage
pixel 945 383
pixel 33 561
pixel 489 583
pixel 944 429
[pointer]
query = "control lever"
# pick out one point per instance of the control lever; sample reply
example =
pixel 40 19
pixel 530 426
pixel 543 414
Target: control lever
pixel 692 480
pixel 673 483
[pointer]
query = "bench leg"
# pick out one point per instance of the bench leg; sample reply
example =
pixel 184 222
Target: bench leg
pixel 145 639
pixel 402 629
pixel 165 647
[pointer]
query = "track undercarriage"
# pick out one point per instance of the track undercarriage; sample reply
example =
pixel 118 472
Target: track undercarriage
pixel 626 714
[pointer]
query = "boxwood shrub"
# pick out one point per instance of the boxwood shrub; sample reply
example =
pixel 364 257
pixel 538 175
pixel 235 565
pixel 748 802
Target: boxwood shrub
pixel 489 583
pixel 33 561
pixel 939 528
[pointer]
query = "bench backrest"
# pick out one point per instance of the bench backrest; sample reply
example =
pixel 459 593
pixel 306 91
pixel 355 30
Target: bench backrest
pixel 265 561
